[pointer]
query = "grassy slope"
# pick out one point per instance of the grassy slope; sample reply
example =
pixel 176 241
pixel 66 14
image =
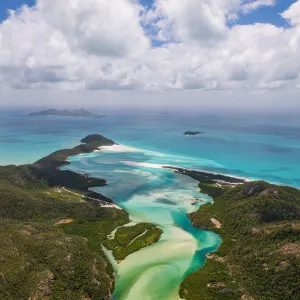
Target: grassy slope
pixel 260 254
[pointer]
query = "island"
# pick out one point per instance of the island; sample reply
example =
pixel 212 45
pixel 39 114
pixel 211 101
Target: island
pixel 66 113
pixel 192 133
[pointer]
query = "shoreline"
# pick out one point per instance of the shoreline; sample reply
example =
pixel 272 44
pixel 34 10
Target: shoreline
pixel 228 179
pixel 216 177
pixel 224 178
pixel 52 203
pixel 215 185
pixel 49 168
pixel 211 216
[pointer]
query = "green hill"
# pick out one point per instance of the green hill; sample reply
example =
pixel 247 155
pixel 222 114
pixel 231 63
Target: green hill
pixel 37 257
pixel 260 254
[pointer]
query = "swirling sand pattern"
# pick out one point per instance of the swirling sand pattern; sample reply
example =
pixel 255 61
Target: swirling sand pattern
pixel 136 183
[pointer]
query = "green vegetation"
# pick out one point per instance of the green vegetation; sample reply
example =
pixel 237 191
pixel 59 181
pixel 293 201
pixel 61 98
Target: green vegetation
pixel 125 235
pixel 212 190
pixel 51 237
pixel 260 254
pixel 47 168
pixel 206 177
pixel 213 281
pixel 127 240
pixel 89 144
pixel 39 259
pixel 130 239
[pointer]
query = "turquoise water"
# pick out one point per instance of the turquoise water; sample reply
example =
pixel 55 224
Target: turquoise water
pixel 260 147
pixel 154 195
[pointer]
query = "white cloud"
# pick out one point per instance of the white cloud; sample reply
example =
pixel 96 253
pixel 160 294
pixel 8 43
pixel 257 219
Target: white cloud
pixel 99 27
pixel 191 20
pixel 293 13
pixel 248 7
pixel 100 44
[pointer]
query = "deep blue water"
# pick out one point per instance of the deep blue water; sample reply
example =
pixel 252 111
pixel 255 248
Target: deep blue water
pixel 253 146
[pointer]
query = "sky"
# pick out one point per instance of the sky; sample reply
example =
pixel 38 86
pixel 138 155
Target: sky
pixel 151 47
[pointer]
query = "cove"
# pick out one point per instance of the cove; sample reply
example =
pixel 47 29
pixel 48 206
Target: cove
pixel 149 193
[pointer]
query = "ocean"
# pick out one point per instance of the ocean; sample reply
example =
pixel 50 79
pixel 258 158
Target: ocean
pixel 263 147
pixel 249 146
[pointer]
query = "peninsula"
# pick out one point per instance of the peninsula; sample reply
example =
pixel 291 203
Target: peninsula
pixel 66 113
pixel 53 226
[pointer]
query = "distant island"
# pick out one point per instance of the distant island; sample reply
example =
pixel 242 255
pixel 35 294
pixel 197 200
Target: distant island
pixel 66 113
pixel 188 133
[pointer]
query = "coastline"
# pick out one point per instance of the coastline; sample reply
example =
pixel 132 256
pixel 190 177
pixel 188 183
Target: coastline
pixel 120 149
pixel 215 279
pixel 216 177
pixel 219 187
pixel 226 178
pixel 148 233
pixel 210 183
pixel 253 219
pixel 49 168
pixel 217 217
pixel 58 208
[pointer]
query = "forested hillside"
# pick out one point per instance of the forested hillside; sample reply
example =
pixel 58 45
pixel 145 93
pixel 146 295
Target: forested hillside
pixel 260 254
pixel 52 231
pixel 37 258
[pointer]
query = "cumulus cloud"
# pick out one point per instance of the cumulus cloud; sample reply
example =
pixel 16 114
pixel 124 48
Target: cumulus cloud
pixel 191 20
pixel 106 45
pixel 293 13
pixel 99 27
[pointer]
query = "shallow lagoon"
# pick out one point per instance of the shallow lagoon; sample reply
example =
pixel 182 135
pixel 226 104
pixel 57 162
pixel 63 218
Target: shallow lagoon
pixel 138 185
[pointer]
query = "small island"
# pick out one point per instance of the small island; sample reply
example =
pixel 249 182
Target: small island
pixel 191 133
pixel 66 113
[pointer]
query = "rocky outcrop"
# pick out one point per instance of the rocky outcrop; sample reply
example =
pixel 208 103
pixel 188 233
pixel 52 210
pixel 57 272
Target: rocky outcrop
pixel 253 188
